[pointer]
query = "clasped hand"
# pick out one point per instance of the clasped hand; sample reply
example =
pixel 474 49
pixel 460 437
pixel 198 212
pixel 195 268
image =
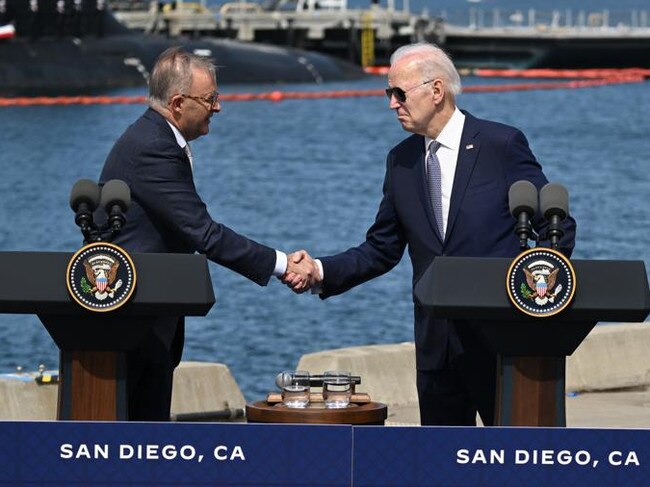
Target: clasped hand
pixel 302 272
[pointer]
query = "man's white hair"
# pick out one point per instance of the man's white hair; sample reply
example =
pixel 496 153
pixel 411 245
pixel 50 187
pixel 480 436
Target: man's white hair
pixel 433 63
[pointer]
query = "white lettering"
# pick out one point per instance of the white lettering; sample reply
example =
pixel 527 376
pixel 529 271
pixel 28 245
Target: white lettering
pixel 583 457
pixel 564 457
pixel 462 456
pixel 66 451
pixel 238 452
pixel 485 457
pixel 156 452
pixel 126 452
pixel 221 453
pixel 615 458
pixel 550 457
pixel 521 457
pixel 91 452
pixel 188 452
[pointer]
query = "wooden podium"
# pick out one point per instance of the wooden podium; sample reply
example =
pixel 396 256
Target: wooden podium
pixel 92 345
pixel 532 351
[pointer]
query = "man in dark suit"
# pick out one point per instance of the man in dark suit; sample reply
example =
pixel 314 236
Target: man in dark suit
pixel 167 215
pixel 445 193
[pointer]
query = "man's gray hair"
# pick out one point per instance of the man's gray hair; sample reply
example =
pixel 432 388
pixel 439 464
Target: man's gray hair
pixel 172 74
pixel 433 63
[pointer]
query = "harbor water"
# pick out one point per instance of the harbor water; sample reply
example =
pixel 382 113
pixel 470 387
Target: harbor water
pixel 308 174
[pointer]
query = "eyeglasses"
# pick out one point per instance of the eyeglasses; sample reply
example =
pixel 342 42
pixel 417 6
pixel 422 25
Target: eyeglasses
pixel 400 94
pixel 211 100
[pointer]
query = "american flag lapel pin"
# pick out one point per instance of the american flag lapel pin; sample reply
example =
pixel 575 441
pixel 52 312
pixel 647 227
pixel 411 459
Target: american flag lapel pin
pixel 469 146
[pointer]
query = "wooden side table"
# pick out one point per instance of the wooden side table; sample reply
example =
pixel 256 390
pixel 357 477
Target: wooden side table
pixel 370 413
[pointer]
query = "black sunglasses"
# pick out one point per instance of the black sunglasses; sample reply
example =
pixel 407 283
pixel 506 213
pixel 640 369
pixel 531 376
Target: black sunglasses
pixel 400 94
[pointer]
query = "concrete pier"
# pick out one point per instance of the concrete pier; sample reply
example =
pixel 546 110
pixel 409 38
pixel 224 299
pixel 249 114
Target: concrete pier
pixel 607 383
pixel 202 392
pixel 607 380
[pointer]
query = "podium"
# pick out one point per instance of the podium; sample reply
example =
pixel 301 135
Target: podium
pixel 93 346
pixel 531 351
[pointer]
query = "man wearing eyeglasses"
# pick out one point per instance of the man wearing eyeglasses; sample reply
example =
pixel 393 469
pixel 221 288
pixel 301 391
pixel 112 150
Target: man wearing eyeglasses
pixel 445 193
pixel 167 215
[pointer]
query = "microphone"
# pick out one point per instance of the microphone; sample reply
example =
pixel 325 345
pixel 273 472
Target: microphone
pixel 286 378
pixel 116 199
pixel 554 203
pixel 84 199
pixel 522 200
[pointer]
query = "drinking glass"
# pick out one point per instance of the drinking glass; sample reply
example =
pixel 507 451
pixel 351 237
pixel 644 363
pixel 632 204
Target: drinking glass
pixel 295 389
pixel 337 389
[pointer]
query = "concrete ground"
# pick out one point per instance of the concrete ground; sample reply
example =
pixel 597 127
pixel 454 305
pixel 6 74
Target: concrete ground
pixel 628 408
pixel 607 380
pixel 607 383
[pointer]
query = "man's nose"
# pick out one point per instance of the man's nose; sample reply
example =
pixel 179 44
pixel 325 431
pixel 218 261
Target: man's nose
pixel 216 107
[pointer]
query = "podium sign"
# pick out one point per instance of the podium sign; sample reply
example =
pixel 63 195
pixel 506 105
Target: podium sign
pixel 532 351
pixel 93 345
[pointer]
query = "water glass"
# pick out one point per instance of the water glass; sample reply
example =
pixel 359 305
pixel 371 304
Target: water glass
pixel 337 389
pixel 295 389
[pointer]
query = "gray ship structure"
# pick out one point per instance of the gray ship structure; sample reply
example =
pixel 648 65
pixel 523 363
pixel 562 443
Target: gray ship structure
pixel 59 47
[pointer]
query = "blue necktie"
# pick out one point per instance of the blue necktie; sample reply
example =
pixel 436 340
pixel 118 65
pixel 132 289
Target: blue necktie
pixel 434 179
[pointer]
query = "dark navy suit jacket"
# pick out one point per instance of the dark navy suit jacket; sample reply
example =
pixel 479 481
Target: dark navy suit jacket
pixel 166 213
pixel 492 156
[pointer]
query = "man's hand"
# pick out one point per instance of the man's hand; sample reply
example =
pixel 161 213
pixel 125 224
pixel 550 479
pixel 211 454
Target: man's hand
pixel 302 272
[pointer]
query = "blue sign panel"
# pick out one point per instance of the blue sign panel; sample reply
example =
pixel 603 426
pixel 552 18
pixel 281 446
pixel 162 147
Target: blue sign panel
pixel 82 453
pixel 502 457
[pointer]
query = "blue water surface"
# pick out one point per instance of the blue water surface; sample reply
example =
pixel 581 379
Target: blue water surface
pixel 308 174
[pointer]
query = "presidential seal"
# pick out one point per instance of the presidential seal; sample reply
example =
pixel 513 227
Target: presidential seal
pixel 540 282
pixel 101 277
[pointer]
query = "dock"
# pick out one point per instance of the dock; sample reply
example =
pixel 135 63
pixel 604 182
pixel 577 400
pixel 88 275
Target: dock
pixel 484 38
pixel 607 383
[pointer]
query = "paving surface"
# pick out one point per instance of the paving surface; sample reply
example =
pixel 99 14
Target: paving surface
pixel 628 408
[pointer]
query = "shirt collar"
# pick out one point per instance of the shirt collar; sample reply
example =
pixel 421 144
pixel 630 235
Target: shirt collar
pixel 180 140
pixel 451 133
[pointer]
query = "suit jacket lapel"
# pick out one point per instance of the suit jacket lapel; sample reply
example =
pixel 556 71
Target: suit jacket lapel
pixel 467 155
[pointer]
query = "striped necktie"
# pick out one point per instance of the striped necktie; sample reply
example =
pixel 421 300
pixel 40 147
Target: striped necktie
pixel 434 179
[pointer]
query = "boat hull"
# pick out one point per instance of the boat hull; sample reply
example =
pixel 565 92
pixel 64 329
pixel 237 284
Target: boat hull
pixel 92 65
pixel 523 52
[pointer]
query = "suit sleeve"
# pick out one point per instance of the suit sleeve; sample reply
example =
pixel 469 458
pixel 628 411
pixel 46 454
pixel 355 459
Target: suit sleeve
pixel 381 251
pixel 523 165
pixel 165 188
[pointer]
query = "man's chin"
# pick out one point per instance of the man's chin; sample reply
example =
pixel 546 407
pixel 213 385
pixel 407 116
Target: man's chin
pixel 405 125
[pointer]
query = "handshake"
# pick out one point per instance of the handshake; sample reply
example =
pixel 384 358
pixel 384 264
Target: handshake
pixel 303 273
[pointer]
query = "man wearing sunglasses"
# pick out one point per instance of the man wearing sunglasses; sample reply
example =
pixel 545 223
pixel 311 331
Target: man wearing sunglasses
pixel 167 215
pixel 445 193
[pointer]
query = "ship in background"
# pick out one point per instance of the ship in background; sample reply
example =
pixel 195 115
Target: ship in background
pixel 57 47
pixel 367 36
pixel 89 46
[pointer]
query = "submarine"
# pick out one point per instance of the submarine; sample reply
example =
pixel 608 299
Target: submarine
pixel 65 47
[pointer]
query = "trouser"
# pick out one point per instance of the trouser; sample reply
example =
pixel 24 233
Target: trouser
pixel 452 396
pixel 150 376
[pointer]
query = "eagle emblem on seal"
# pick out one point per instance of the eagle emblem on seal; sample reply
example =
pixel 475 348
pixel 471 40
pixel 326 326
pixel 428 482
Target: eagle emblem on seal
pixel 541 279
pixel 101 272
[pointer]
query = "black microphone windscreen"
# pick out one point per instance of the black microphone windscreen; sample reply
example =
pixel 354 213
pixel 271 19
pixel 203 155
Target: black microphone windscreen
pixel 554 200
pixel 116 192
pixel 84 191
pixel 522 196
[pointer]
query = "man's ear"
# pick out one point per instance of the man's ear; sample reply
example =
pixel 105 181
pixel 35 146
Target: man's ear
pixel 438 90
pixel 176 103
